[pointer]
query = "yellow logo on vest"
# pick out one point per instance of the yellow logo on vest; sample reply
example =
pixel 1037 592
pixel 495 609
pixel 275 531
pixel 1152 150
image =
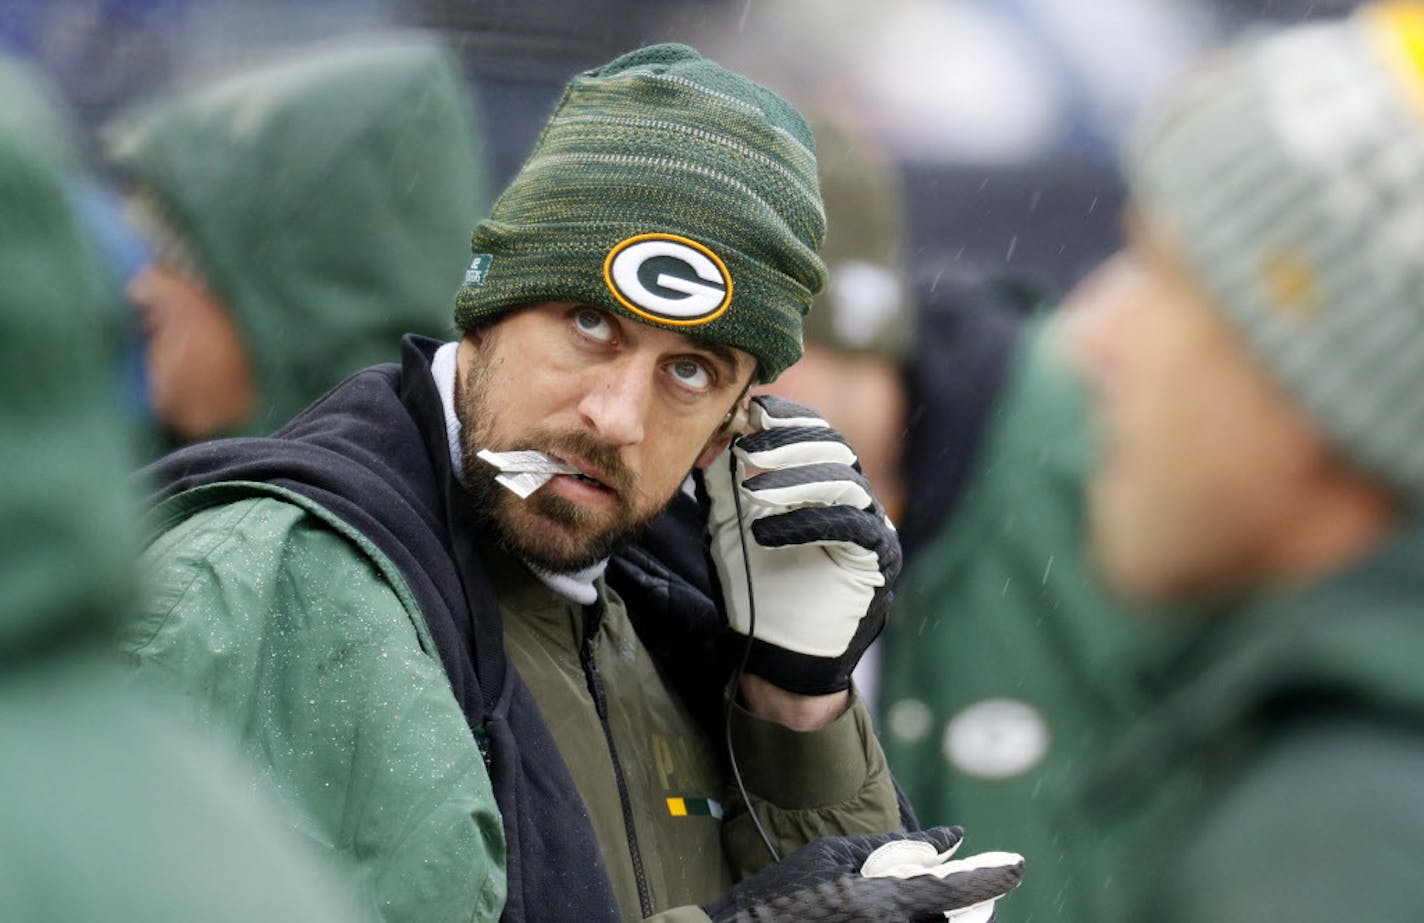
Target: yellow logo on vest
pixel 668 279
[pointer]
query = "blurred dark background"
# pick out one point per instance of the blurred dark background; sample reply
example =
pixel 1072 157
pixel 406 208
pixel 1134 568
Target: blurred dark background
pixel 1003 114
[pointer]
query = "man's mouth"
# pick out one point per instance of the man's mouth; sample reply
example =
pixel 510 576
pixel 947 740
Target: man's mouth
pixel 587 474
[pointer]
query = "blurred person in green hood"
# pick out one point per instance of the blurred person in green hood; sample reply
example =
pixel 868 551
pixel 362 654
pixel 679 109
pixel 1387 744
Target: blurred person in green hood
pixel 304 215
pixel 108 810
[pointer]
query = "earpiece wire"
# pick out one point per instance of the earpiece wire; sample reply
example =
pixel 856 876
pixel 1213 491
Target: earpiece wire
pixel 742 665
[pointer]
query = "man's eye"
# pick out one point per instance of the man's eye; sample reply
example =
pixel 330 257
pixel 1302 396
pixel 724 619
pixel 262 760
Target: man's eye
pixel 691 374
pixel 595 324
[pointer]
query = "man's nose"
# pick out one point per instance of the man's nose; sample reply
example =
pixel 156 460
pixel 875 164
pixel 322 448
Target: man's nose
pixel 616 401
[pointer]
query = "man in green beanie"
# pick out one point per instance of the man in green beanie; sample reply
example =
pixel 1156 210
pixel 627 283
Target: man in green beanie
pixel 303 216
pixel 112 811
pixel 1256 360
pixel 480 579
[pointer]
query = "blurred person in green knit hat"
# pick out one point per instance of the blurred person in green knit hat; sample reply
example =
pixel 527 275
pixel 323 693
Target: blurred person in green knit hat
pixel 303 216
pixel 1254 358
pixel 462 608
pixel 112 809
pixel 858 335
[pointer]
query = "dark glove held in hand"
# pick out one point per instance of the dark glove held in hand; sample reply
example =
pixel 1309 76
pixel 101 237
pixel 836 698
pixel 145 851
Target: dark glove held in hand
pixel 821 883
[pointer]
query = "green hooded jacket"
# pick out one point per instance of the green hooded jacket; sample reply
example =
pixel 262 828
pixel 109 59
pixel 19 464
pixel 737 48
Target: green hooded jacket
pixel 1006 664
pixel 107 810
pixel 1279 777
pixel 327 201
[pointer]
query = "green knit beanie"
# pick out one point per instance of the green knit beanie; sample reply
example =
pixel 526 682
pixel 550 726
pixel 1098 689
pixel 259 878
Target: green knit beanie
pixel 1291 173
pixel 671 191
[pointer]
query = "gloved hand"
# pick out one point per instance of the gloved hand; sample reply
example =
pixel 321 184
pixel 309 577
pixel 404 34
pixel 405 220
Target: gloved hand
pixel 820 551
pixel 823 882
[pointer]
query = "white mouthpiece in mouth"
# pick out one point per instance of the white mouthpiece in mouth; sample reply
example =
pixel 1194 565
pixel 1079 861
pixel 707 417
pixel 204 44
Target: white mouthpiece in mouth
pixel 525 471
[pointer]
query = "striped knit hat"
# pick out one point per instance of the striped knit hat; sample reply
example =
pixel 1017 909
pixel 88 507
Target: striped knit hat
pixel 671 191
pixel 1291 171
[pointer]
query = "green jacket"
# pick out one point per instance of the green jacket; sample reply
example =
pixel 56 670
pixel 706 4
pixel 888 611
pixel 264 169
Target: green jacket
pixel 1005 662
pixel 1279 779
pixel 109 810
pixel 288 631
pixel 327 200
pixel 280 628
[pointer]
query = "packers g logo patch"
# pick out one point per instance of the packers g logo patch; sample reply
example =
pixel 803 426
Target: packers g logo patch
pixel 668 279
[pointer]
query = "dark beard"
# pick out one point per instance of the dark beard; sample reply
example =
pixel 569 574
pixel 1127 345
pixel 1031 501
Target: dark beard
pixel 545 529
pixel 540 529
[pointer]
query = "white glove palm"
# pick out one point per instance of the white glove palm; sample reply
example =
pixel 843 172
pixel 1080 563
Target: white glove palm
pixel 817 547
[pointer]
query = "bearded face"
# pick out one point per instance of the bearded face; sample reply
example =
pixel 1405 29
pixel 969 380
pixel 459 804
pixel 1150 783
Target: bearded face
pixel 632 407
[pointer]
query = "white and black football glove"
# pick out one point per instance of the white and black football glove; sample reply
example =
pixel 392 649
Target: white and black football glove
pixel 816 544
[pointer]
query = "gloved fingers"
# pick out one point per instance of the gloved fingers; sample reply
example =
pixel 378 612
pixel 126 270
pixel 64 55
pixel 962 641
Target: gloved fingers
pixel 930 898
pixel 924 866
pixel 784 447
pixel 851 899
pixel 829 526
pixel 916 853
pixel 844 854
pixel 927 899
pixel 986 881
pixel 767 411
pixel 943 839
pixel 811 485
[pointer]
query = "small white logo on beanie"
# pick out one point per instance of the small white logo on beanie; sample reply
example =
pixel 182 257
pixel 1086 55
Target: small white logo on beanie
pixel 668 279
pixel 479 269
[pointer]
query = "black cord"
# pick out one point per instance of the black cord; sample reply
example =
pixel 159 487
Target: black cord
pixel 742 666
